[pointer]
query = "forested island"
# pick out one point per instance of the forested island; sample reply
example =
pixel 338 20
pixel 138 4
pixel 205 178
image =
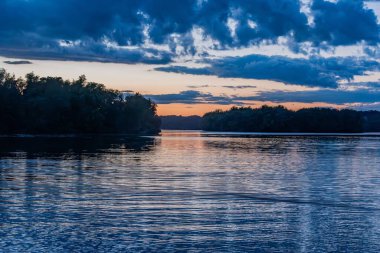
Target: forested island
pixel 280 119
pixel 51 105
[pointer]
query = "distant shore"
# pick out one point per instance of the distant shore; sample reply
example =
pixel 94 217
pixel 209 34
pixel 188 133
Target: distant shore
pixel 269 134
pixel 279 120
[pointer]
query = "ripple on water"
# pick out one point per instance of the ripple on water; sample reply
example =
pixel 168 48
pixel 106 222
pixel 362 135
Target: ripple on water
pixel 190 191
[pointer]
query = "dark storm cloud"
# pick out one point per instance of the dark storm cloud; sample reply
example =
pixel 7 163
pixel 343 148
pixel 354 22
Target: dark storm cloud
pixel 35 27
pixel 313 72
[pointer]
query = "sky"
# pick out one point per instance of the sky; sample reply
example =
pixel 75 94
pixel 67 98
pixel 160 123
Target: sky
pixel 194 56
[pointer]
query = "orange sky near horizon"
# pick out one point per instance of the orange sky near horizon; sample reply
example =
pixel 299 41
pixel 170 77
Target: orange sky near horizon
pixel 201 109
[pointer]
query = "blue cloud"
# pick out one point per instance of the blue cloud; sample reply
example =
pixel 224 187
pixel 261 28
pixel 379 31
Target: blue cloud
pixel 324 96
pixel 345 22
pixel 330 96
pixel 239 87
pixel 272 19
pixel 191 97
pixel 313 72
pixel 91 51
pixel 34 28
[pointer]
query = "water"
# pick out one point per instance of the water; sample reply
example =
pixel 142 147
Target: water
pixel 190 191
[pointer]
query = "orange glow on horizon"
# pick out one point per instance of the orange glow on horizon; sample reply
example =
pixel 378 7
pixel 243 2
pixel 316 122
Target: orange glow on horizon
pixel 188 109
pixel 201 109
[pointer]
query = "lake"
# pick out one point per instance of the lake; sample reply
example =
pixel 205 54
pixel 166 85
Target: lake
pixel 190 192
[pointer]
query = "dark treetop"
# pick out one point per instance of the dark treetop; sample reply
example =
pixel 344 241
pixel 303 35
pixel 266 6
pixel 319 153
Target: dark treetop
pixel 280 119
pixel 51 105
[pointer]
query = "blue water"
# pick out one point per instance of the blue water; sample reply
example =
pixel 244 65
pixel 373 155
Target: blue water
pixel 190 192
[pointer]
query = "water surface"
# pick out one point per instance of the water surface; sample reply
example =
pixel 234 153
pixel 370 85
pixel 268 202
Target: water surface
pixel 190 191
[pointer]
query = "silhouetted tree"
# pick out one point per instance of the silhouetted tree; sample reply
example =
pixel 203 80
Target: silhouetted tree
pixel 371 121
pixel 280 119
pixel 53 105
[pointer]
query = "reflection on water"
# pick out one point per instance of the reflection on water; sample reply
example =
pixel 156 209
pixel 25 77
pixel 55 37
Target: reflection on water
pixel 190 191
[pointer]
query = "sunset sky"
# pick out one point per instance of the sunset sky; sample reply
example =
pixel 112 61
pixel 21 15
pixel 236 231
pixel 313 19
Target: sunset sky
pixel 193 56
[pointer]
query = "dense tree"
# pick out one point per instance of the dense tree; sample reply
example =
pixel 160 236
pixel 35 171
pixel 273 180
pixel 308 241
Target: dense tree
pixel 371 121
pixel 280 119
pixel 53 105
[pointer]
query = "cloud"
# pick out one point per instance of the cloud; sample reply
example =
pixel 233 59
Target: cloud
pixel 339 97
pixel 101 30
pixel 254 25
pixel 238 87
pixel 345 22
pixel 313 72
pixel 331 96
pixel 199 86
pixel 92 51
pixel 191 97
pixel 374 85
pixel 366 106
pixel 233 87
pixel 17 62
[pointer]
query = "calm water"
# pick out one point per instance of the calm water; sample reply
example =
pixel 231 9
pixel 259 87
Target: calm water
pixel 188 191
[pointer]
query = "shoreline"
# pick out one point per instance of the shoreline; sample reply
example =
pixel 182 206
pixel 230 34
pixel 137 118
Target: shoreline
pixel 200 132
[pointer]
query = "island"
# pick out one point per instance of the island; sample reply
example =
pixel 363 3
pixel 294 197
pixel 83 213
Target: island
pixel 281 119
pixel 52 105
pixel 278 119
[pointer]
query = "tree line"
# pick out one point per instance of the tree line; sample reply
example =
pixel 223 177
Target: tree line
pixel 52 105
pixel 280 119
